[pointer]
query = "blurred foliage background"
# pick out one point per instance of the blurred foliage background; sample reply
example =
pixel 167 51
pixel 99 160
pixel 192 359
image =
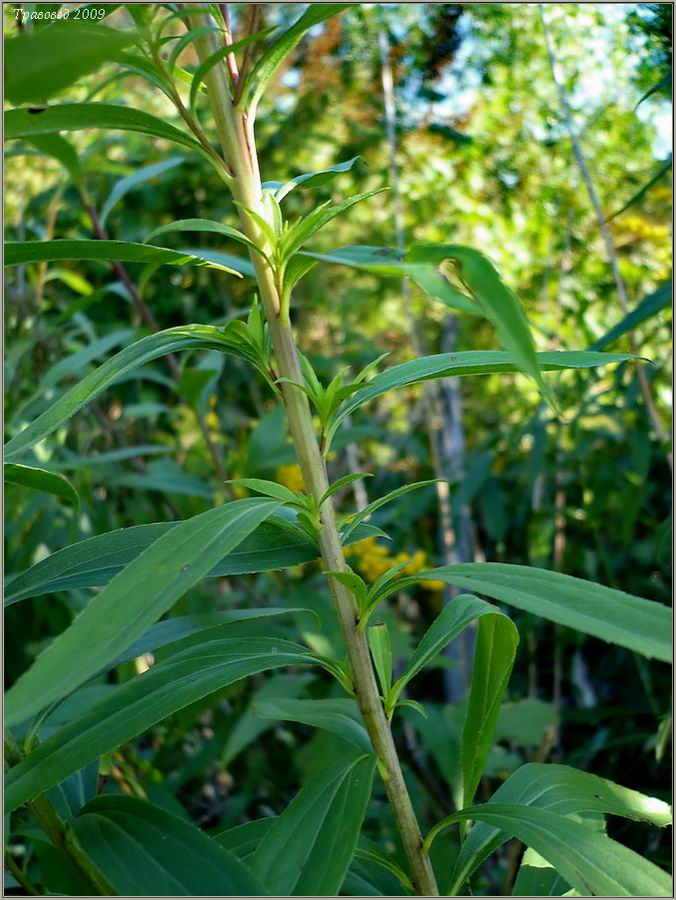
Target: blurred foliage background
pixel 473 143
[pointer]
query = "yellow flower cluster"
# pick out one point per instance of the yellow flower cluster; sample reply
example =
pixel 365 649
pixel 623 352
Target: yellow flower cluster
pixel 373 560
pixel 642 228
pixel 290 476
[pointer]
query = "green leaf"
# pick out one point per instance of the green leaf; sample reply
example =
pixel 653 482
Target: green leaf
pixel 58 147
pixel 605 613
pixel 392 263
pixel 133 600
pixel 207 626
pixel 593 863
pixel 140 849
pixel 494 654
pixel 204 68
pixel 204 225
pixel 647 308
pixel 381 651
pixel 662 170
pixel 275 55
pixel 309 848
pixel 343 482
pixel 358 517
pixel 268 488
pixel 41 480
pixel 94 561
pixel 664 82
pixel 560 789
pixel 138 177
pixel 340 717
pixel 187 337
pixel 456 615
pixel 496 300
pixel 536 878
pixel 22 252
pixel 469 362
pixel 142 702
pixel 40 63
pixel 305 228
pixel 242 840
pixel 25 123
pixel 309 181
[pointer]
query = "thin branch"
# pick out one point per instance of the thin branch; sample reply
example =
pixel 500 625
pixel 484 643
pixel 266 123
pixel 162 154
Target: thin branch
pixel 230 59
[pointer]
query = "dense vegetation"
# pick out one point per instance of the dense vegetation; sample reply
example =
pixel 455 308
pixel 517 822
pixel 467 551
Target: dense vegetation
pixel 337 508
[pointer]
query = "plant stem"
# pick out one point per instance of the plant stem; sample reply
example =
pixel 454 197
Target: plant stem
pixel 53 826
pixel 236 135
pixel 19 875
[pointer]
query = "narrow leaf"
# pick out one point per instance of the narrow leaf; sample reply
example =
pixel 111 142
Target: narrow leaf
pixel 563 790
pixel 469 362
pixel 142 702
pixel 275 55
pixel 203 225
pixel 308 850
pixel 593 863
pixel 132 601
pixel 25 123
pixel 41 480
pixel 647 308
pixel 22 252
pixel 193 337
pixel 494 655
pixel 40 63
pixel 142 850
pixel 340 717
pixel 496 301
pixel 605 613
pixel 137 178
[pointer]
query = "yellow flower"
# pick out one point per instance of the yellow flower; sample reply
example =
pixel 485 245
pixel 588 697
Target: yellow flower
pixel 290 476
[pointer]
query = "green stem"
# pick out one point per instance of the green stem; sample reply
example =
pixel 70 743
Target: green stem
pixel 236 135
pixel 54 827
pixel 18 873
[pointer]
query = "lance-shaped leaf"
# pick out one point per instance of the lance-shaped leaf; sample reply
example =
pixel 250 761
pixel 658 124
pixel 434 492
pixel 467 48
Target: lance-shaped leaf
pixel 218 56
pixel 468 362
pixel 58 147
pixel 185 337
pixel 275 55
pixel 24 123
pixel 647 308
pixel 357 518
pixel 339 716
pixel 560 789
pixel 41 480
pixel 142 702
pixel 310 180
pixel 137 178
pixel 142 850
pixel 594 864
pixel 494 654
pixel 201 626
pixel 496 300
pixel 94 561
pixel 204 225
pixel 309 848
pixel 40 63
pixel 449 623
pixel 611 615
pixel 385 262
pixel 22 252
pixel 133 600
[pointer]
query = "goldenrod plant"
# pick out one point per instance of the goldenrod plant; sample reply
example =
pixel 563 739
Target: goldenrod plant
pixel 64 728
